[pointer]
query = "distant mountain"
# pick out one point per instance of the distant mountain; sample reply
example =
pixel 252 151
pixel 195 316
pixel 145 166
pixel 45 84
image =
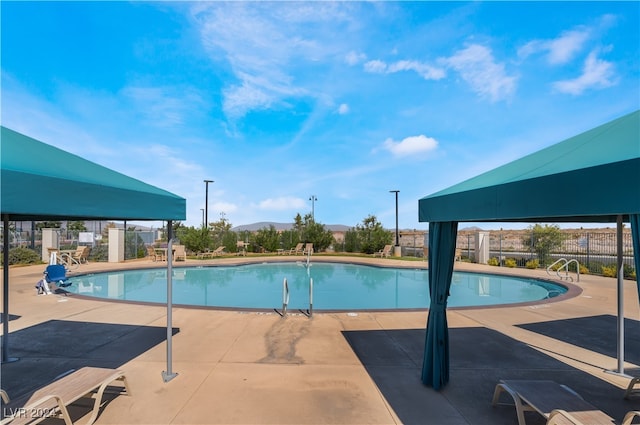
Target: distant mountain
pixel 254 227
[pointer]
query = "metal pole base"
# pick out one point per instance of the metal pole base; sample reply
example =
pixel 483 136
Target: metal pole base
pixel 621 373
pixel 166 377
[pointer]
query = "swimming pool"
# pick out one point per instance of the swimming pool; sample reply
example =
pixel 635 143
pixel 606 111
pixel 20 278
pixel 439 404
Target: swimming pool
pixel 336 286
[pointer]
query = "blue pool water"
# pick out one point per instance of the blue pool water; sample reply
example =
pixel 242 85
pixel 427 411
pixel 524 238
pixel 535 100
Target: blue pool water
pixel 336 286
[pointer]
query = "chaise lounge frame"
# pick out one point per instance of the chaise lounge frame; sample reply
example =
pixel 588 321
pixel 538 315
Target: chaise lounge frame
pixel 558 403
pixel 52 400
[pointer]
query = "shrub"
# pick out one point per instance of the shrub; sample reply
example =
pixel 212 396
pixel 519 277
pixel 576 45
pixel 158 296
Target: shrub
pixel 493 261
pixel 23 255
pixel 510 262
pixel 628 272
pixel 532 264
pixel 584 269
pixel 609 271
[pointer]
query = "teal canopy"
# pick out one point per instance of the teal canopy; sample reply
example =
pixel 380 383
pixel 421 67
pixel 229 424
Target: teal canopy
pixel 592 177
pixel 41 182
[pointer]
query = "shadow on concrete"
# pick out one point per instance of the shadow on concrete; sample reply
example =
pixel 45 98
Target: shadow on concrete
pixel 49 349
pixel 11 317
pixel 479 358
pixel 594 333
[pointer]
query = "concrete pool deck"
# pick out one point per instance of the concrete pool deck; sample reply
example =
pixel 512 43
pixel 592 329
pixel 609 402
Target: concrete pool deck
pixel 335 368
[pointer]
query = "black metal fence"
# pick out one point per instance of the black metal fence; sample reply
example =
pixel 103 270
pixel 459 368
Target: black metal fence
pixel 593 250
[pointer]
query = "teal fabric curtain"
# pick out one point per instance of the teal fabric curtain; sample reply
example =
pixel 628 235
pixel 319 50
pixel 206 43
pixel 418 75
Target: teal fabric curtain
pixel 635 234
pixel 442 248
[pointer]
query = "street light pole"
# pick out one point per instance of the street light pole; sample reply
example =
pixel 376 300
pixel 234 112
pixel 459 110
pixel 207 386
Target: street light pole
pixel 206 203
pixel 313 199
pixel 397 237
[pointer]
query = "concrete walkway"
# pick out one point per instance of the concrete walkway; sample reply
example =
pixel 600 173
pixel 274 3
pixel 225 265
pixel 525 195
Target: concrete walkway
pixel 335 368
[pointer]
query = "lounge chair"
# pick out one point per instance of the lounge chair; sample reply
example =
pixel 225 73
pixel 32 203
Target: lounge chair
pixel 631 390
pixel 180 253
pixel 297 250
pixel 218 251
pixel 154 254
pixel 82 254
pixel 52 400
pixel 628 418
pixel 558 403
pixel 384 252
pixel 308 249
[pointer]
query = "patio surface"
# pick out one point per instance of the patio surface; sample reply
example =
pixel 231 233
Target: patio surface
pixel 334 368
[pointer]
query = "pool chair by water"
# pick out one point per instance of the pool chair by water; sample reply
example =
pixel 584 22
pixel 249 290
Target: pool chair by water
pixel 297 250
pixel 558 403
pixel 180 253
pixel 308 249
pixel 384 252
pixel 52 400
pixel 82 254
pixel 56 274
pixel 155 255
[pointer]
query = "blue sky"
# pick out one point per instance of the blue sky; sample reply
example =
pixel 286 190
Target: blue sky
pixel 277 102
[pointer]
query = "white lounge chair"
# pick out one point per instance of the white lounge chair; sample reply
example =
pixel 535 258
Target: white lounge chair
pixel 384 252
pixel 53 399
pixel 558 403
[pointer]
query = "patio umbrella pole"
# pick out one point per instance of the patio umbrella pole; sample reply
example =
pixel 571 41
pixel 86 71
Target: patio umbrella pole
pixel 168 375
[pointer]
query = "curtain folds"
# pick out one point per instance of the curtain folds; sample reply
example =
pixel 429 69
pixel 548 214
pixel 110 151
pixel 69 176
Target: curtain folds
pixel 442 247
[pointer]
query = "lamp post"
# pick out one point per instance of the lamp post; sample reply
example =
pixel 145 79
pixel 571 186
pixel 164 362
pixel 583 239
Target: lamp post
pixel 397 237
pixel 206 202
pixel 313 199
pixel 202 209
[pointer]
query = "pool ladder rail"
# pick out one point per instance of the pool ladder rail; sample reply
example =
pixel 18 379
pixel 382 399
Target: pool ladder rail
pixel 565 267
pixel 285 299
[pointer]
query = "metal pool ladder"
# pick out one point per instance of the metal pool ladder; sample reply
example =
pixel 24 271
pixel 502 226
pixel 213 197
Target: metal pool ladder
pixel 565 267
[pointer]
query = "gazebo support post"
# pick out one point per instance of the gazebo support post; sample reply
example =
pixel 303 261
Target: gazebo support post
pixel 168 375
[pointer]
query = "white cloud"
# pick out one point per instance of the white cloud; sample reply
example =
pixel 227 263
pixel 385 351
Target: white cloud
pixel 478 68
pixel 163 106
pixel 343 109
pixel 413 145
pixel 375 66
pixel 596 73
pixel 264 44
pixel 426 71
pixel 224 207
pixel 559 50
pixel 354 58
pixel 282 204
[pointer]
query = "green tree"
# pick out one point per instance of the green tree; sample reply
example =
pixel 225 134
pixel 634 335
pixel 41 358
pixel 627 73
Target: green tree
pixel 48 225
pixel 268 238
pixel 75 227
pixel 194 239
pixel 372 236
pixel 543 240
pixel 218 230
pixel 351 241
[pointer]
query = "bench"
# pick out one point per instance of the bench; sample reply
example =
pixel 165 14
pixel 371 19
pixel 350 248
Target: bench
pixel 52 400
pixel 558 403
pixel 631 390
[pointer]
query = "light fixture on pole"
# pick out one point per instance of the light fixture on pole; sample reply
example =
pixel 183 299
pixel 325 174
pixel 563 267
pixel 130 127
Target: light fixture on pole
pixel 313 199
pixel 397 237
pixel 206 202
